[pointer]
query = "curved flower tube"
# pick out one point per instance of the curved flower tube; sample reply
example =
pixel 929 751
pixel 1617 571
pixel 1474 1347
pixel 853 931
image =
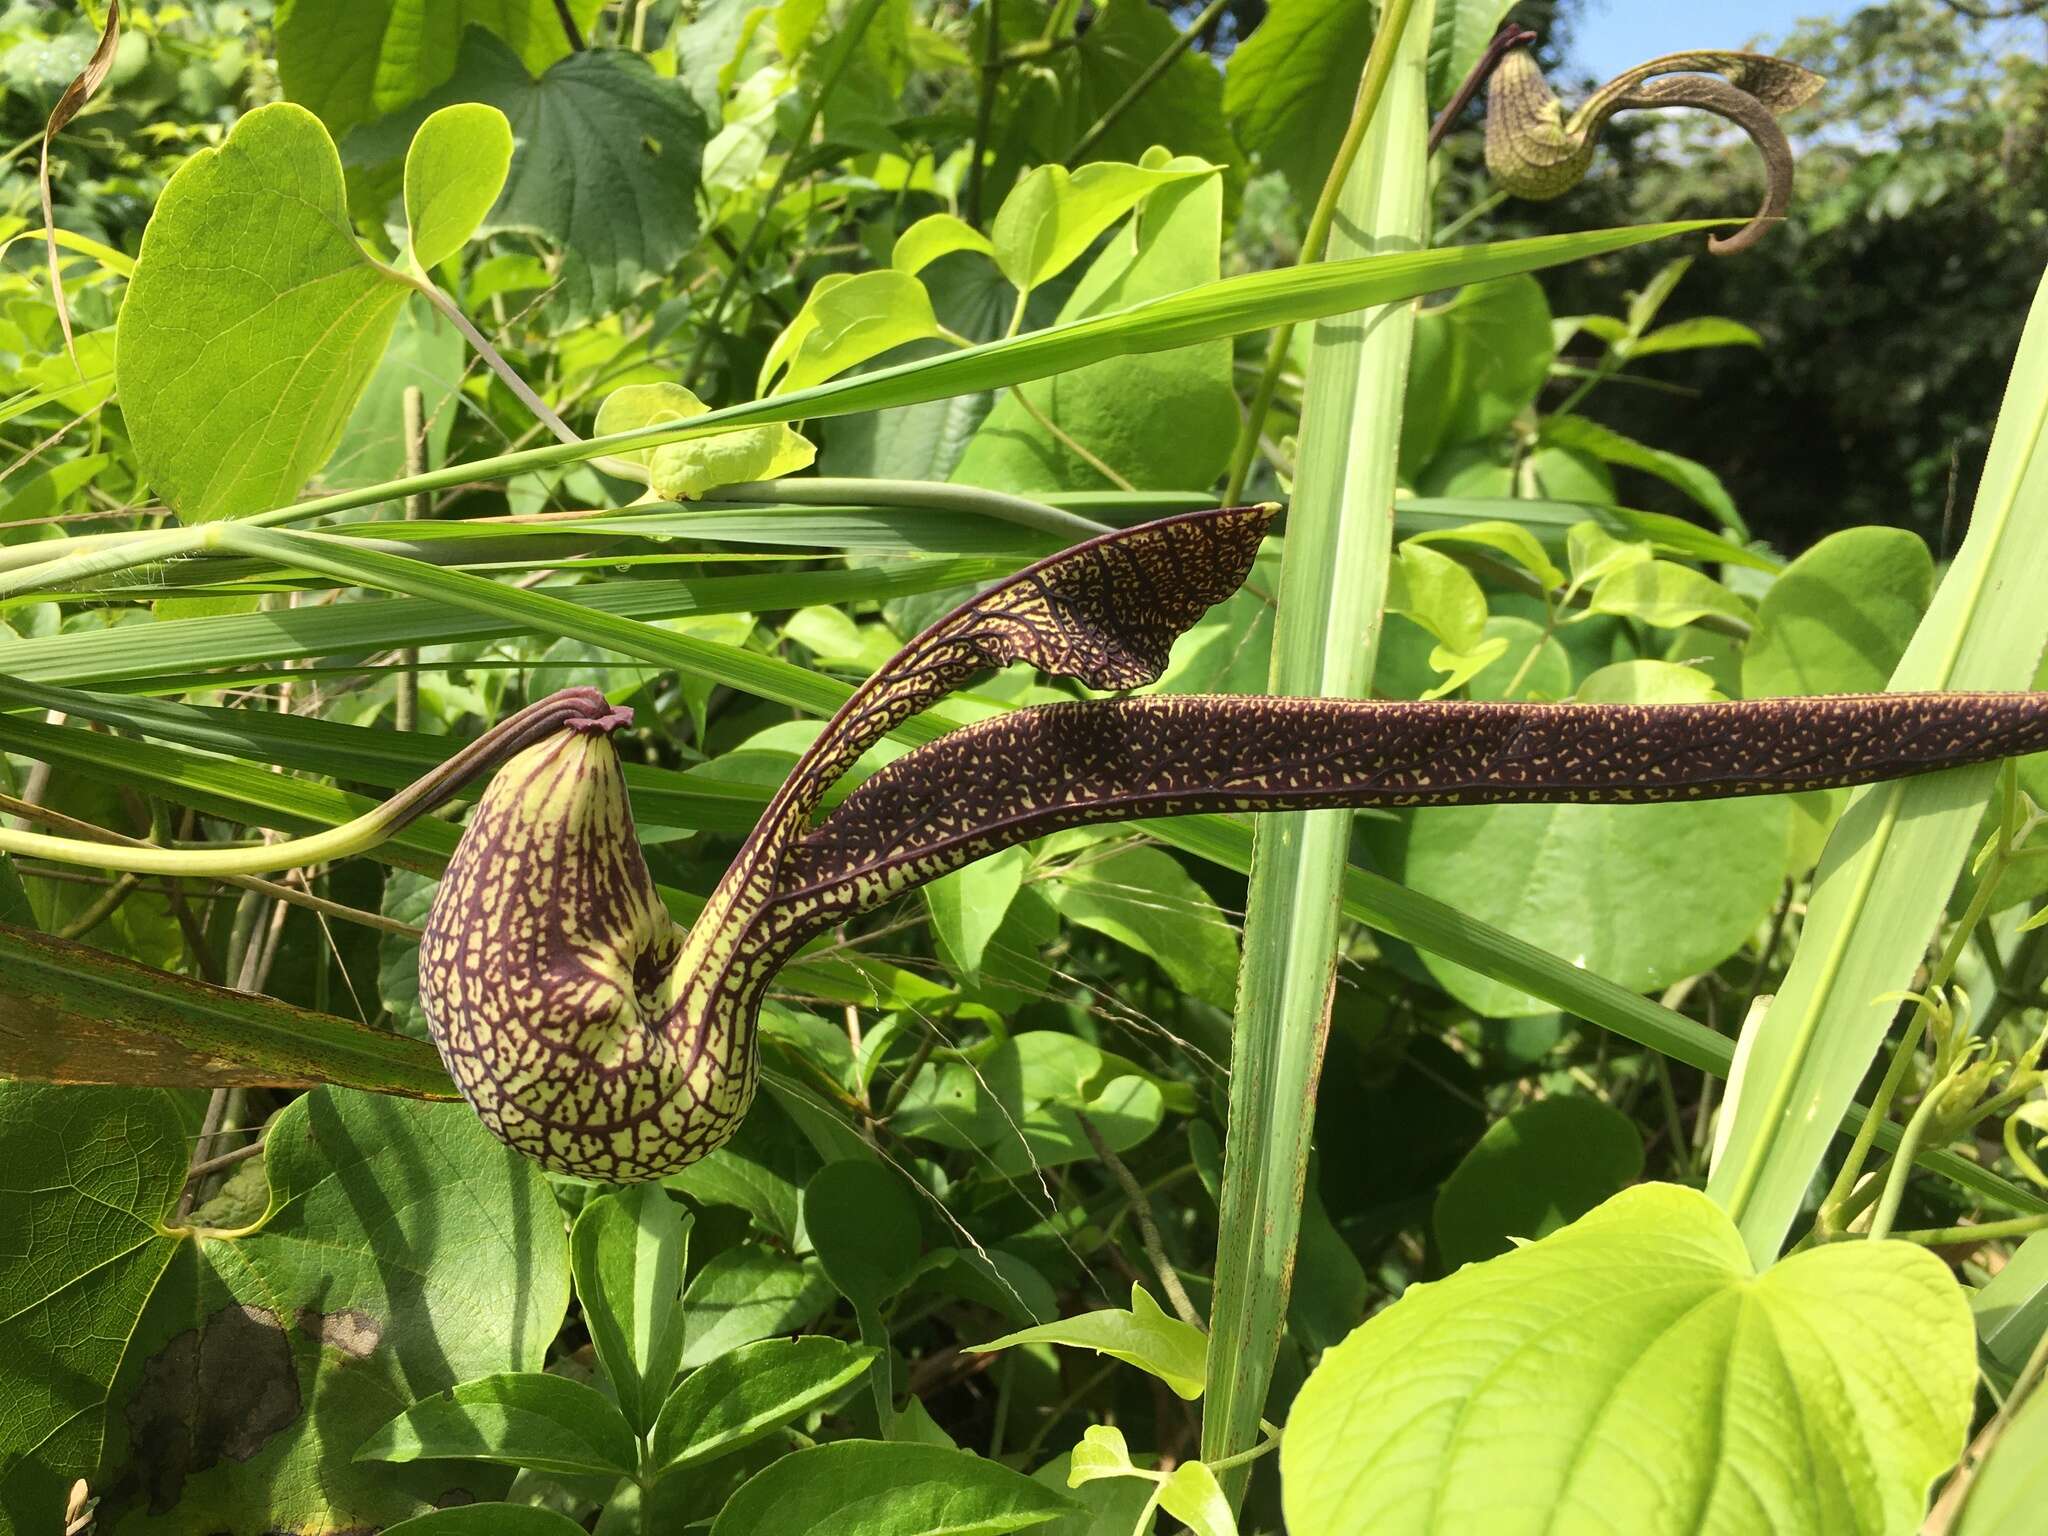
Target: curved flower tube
pixel 1534 151
pixel 592 1033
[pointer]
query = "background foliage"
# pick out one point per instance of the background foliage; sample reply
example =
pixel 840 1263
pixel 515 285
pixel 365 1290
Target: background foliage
pixel 977 1206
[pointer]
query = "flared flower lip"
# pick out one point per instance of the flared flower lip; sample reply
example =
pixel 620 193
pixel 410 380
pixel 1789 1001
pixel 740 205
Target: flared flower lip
pixel 595 714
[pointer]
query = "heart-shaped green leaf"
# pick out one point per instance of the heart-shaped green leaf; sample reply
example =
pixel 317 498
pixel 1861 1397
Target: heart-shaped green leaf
pixel 849 318
pixel 1289 87
pixel 863 1219
pixel 1633 1372
pixel 933 236
pixel 253 322
pixel 1053 215
pixel 1711 869
pixel 1101 1453
pixel 1840 616
pixel 1546 1164
pixel 223 1379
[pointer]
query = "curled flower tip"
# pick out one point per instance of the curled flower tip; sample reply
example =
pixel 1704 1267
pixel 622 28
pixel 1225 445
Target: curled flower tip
pixel 1534 151
pixel 580 701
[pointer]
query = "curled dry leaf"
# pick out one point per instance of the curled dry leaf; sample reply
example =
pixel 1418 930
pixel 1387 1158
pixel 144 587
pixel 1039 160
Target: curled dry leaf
pixel 75 96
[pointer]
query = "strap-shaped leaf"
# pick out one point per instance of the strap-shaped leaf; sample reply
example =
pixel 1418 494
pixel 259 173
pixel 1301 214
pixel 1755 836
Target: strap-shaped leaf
pixel 1021 775
pixel 1106 611
pixel 73 1014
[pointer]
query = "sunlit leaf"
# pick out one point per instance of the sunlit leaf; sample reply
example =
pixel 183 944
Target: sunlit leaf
pixel 849 318
pixel 1844 1376
pixel 933 236
pixel 684 471
pixel 1053 215
pixel 453 173
pixel 1289 87
pixel 253 322
pixel 1145 1336
pixel 606 168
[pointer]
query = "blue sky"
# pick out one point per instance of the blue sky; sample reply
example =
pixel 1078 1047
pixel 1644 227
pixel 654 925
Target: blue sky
pixel 1613 34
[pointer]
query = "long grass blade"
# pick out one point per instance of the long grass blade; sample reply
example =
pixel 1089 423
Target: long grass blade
pixel 1895 854
pixel 1332 584
pixel 73 1014
pixel 182 648
pixel 1232 306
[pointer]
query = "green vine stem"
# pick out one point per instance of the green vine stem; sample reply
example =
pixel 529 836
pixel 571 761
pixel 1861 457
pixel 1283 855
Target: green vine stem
pixel 1379 65
pixel 840 56
pixel 483 755
pixel 1902 1160
pixel 1983 1232
pixel 493 359
pixel 1066 440
pixel 1151 77
pixel 985 104
pixel 275 890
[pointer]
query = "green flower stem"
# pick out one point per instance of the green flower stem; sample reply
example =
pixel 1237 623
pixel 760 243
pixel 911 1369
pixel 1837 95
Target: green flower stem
pixel 985 103
pixel 1902 1160
pixel 938 495
pixel 275 890
pixel 1470 216
pixel 1379 65
pixel 1842 1205
pixel 1837 1209
pixel 481 756
pixel 1983 1232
